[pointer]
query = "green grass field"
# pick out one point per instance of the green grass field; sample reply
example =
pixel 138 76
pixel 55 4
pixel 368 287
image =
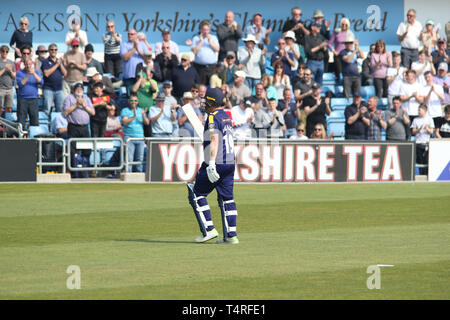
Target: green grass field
pixel 134 241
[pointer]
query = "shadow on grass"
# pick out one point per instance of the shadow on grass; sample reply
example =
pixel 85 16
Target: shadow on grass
pixel 163 241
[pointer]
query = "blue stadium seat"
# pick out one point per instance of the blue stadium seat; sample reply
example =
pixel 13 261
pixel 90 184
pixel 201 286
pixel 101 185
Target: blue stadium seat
pixel 37 130
pixel 339 91
pixel 328 78
pixel 367 91
pixel 337 127
pixel 339 103
pixel 11 116
pixel 336 114
pixel 43 118
pixel 328 87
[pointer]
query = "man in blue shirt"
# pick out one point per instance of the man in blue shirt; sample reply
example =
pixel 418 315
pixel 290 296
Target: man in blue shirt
pixel 216 172
pixel 54 72
pixel 28 80
pixel 132 53
pixel 350 72
pixel 162 117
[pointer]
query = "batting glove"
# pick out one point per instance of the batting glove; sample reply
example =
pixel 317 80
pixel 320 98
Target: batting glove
pixel 213 176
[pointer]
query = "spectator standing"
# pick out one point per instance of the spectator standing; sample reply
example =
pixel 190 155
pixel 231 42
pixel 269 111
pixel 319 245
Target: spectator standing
pixel 410 94
pixel 102 103
pixel 26 53
pixel 303 88
pixel 229 67
pixel 7 78
pixel 205 47
pixel 161 117
pixel 422 128
pixel 145 88
pixel 76 34
pixel 277 127
pixel 429 37
pixel 171 102
pixel 409 35
pixel 184 76
pixel 251 59
pixel 397 121
pixel 443 127
pixel 261 120
pixel 27 94
pixel 280 81
pixel 350 72
pixel 228 34
pixel 377 122
pixel 380 61
pixel 166 61
pixel 433 98
pixel 75 64
pixel 90 61
pixel 133 119
pixel 54 71
pixel 290 113
pixel 422 65
pixel 260 96
pixel 296 25
pixel 283 56
pixel 318 17
pixel 93 77
pixel 112 41
pixel 337 44
pixel 42 54
pixel 166 36
pixel 357 119
pixel 366 70
pixel 78 109
pixel 316 108
pixel 292 46
pixel 21 37
pixel 443 80
pixel 243 116
pixel 395 77
pixel 239 90
pixel 150 64
pixel 441 54
pixel 260 32
pixel 132 53
pixel 266 81
pixel 316 47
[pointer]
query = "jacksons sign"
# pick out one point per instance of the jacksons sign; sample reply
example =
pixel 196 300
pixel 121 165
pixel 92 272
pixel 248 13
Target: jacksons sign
pixel 260 161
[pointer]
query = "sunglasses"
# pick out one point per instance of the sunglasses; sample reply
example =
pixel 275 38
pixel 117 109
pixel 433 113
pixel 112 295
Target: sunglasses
pixel 53 50
pixel 26 53
pixel 5 51
pixel 23 24
pixel 42 51
pixel 315 129
pixel 308 74
pixel 76 46
pixel 300 130
pixel 194 91
pixel 112 26
pixel 133 100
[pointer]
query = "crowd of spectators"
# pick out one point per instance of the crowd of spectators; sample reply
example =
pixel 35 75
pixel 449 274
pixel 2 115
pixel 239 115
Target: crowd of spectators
pixel 268 94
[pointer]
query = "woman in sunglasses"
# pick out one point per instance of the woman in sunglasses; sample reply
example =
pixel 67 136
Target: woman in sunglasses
pixel 21 37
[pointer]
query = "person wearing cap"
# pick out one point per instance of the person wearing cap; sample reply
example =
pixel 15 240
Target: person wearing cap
pixel 216 172
pixel 251 60
pixel 146 88
pixel 76 33
pixel 27 81
pixel 184 76
pixel 111 40
pixel 441 54
pixel 93 77
pixel 167 61
pixel 75 63
pixel 296 25
pixel 228 68
pixel 228 34
pixel 162 117
pixel 205 47
pixel 170 100
pixel 357 119
pixel 166 40
pixel 239 89
pixel 316 49
pixel 102 103
pixel 78 109
pixel 429 36
pixel 149 63
pixel 409 34
pixel 297 51
pixel 260 32
pixel 185 128
pixel 350 72
pixel 337 44
pixel 242 115
pixel 316 109
pixel 132 53
pixel 318 17
pixel 90 60
pixel 133 120
pixel 53 71
pixel 443 80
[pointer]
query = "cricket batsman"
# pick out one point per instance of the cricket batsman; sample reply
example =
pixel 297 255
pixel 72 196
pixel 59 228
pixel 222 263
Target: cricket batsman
pixel 216 172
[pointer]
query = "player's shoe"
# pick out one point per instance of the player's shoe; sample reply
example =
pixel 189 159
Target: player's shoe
pixel 232 240
pixel 209 235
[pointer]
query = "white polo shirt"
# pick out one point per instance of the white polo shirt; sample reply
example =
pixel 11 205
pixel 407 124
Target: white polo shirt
pixel 240 118
pixel 435 104
pixel 411 40
pixel 407 90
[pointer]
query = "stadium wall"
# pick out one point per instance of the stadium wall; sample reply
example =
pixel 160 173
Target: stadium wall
pixel 370 20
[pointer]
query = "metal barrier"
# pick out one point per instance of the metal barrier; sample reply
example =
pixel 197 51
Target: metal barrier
pixel 41 163
pixel 14 126
pixel 128 163
pixel 97 145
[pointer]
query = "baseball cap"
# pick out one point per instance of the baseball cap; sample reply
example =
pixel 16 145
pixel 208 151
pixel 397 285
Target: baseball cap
pixel 443 66
pixel 167 84
pixel 148 53
pixel 77 85
pixel 216 95
pixel 186 56
pixel 429 22
pixel 165 31
pixel 240 73
pixel 75 42
pixel 161 96
pixel 315 24
pixel 187 95
pixel 441 40
pixel 91 71
pixel 89 47
pixel 357 94
pixel 315 85
pixel 231 53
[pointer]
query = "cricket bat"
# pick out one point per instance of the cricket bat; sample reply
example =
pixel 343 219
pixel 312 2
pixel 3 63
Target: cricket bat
pixel 193 118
